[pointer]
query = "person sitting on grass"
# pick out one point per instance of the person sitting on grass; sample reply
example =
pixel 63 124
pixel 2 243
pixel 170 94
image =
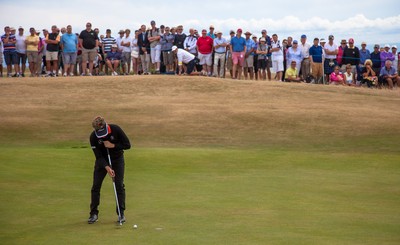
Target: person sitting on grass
pixel 113 59
pixel 336 77
pixel 368 74
pixel 292 75
pixel 348 75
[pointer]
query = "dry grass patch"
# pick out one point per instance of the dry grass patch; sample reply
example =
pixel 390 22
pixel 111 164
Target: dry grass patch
pixel 193 111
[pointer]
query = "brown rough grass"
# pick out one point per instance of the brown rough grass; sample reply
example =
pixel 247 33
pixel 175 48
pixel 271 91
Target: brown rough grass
pixel 193 111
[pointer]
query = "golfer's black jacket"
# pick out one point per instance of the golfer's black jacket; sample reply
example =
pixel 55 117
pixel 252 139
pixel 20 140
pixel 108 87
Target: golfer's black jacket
pixel 116 136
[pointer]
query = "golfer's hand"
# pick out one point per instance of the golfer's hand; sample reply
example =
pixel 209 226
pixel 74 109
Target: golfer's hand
pixel 110 172
pixel 108 144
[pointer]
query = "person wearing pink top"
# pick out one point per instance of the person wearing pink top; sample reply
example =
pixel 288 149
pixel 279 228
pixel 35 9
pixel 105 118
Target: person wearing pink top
pixel 336 77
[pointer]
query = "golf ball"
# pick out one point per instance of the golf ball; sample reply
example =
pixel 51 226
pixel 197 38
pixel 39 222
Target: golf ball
pixel 134 226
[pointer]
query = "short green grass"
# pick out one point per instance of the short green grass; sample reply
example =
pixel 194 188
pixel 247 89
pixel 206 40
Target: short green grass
pixel 205 196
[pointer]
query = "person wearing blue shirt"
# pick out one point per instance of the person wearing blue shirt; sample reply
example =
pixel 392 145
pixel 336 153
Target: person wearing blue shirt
pixel 376 59
pixel 238 50
pixel 249 56
pixel 69 46
pixel 316 61
pixel 113 59
pixel 388 75
pixel 365 54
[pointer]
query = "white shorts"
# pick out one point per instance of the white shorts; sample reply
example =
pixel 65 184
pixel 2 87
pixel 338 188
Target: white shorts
pixel 205 59
pixel 135 54
pixel 277 63
pixel 155 54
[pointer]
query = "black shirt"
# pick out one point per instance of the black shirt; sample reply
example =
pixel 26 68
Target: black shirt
pixel 351 56
pixel 143 42
pixel 53 47
pixel 89 39
pixel 117 137
pixel 179 40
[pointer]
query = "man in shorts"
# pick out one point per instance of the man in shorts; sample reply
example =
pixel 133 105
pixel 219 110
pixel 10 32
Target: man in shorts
pixel 20 46
pixel 89 41
pixel 277 57
pixel 52 40
pixel 238 50
pixel 69 45
pixel 126 44
pixel 249 56
pixel 32 47
pixel 10 53
pixel 205 47
pixel 154 37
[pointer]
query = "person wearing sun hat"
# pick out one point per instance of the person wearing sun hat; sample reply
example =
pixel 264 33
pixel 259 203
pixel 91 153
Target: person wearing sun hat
pixel 386 55
pixel 107 140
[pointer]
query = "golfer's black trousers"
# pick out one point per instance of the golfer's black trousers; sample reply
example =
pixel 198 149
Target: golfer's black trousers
pixel 99 173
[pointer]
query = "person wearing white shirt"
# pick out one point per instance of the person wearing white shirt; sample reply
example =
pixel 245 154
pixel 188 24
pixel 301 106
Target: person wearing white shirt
pixel 395 62
pixel 135 53
pixel 190 42
pixel 126 43
pixel 20 46
pixel 331 51
pixel 220 44
pixel 306 62
pixel 185 58
pixel 277 57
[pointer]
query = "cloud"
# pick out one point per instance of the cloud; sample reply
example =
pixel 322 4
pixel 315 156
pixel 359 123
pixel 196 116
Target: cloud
pixel 117 14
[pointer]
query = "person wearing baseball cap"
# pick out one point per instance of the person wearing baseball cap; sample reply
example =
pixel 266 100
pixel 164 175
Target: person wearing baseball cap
pixel 268 43
pixel 351 55
pixel 238 50
pixel 108 142
pixel 205 48
pixel 113 59
pixel 331 51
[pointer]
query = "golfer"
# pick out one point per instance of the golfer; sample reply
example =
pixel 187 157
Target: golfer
pixel 108 138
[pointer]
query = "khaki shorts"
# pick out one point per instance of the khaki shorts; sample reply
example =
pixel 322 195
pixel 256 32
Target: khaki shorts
pixel 168 57
pixel 249 61
pixel 32 56
pixel 51 55
pixel 89 54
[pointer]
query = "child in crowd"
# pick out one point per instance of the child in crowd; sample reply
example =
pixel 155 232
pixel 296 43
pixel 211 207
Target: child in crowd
pixel 336 77
pixel 348 75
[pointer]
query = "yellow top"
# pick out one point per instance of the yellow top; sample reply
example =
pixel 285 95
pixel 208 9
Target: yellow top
pixel 32 47
pixel 291 73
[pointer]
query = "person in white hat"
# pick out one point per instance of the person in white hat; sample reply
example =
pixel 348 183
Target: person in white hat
pixel 185 59
pixel 386 55
pixel 220 44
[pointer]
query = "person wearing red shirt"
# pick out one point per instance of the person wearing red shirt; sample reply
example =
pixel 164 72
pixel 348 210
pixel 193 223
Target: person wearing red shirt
pixel 205 47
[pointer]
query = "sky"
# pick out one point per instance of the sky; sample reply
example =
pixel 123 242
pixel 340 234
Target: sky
pixel 369 20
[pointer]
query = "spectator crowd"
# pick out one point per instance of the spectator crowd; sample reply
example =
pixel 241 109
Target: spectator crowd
pixel 168 50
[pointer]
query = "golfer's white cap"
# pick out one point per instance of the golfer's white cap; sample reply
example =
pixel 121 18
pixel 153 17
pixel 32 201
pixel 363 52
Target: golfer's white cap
pixel 174 48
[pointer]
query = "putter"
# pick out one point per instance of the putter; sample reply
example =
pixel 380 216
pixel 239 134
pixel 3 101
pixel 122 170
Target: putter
pixel 115 190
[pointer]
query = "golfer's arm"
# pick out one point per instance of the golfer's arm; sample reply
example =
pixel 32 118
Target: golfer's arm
pixel 124 143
